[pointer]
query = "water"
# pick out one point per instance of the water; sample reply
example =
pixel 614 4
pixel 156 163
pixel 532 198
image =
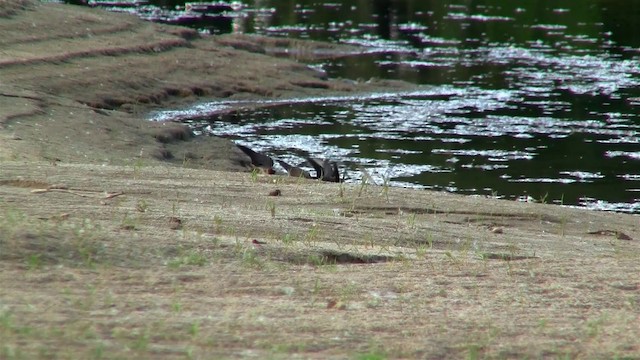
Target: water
pixel 520 100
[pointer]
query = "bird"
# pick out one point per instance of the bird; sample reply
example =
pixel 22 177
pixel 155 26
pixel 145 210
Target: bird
pixel 325 170
pixel 295 171
pixel 258 160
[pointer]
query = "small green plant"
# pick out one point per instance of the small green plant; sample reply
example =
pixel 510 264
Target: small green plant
pixel 128 223
pixel 141 341
pixel 185 161
pixel 543 198
pixel 371 355
pixel 137 165
pixel 411 221
pixel 473 351
pixel 429 241
pixel 34 261
pixel 385 247
pixel 254 174
pixel 316 260
pixel 543 323
pixel 176 306
pixel 190 258
pixel 174 205
pixel 563 225
pixel 251 259
pixel 311 237
pixel 363 185
pixel 594 327
pixel 271 206
pixel 316 287
pixel 217 223
pixel 141 206
pixel 386 186
pixel 449 255
pixel 85 239
pixel 369 240
pixel 194 328
pixel 5 320
pixel 98 351
pixel 421 250
pixel 189 353
pixel 10 222
pixel 288 239
pixel 348 292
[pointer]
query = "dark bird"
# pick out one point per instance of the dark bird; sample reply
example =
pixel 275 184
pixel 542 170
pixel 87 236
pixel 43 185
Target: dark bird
pixel 325 170
pixel 258 160
pixel 294 170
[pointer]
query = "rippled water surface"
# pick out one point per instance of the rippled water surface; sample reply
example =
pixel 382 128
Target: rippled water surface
pixel 517 99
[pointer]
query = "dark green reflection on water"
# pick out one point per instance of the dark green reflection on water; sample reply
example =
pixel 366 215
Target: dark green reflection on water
pixel 569 71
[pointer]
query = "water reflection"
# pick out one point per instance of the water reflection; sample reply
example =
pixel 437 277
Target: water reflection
pixel 435 139
pixel 527 98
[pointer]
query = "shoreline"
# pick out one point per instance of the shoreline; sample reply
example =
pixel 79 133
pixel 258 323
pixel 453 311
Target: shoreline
pixel 94 76
pixel 121 237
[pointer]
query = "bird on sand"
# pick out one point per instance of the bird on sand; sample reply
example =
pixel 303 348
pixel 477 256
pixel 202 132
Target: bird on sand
pixel 258 160
pixel 294 171
pixel 325 170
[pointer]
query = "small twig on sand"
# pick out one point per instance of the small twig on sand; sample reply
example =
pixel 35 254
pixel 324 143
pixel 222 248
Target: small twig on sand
pixel 83 193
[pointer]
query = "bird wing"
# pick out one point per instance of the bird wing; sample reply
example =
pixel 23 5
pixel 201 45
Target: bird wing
pixel 318 165
pixel 257 159
pixel 295 171
pixel 286 166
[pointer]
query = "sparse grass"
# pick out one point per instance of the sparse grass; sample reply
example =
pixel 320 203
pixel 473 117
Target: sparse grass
pixel 421 251
pixel 316 260
pixel 194 328
pixel 341 191
pixel 217 223
pixel 364 184
pixel 288 239
pixel 157 292
pixel 312 235
pixel 386 186
pixel 37 242
pixel 190 257
pixel 128 223
pixel 176 306
pixel 271 207
pixel 371 355
pixel 543 198
pixel 255 175
pixel 142 206
pixel 411 221
pixel 34 261
pixel 429 241
pixel 250 258
pixel 138 165
pixel 186 161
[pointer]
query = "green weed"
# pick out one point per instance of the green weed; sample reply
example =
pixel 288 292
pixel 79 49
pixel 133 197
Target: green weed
pixel 189 258
pixel 271 207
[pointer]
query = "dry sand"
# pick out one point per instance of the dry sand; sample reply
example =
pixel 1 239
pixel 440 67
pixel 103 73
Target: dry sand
pixel 122 238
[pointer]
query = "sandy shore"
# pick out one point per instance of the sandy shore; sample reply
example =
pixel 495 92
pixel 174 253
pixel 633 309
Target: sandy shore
pixel 124 238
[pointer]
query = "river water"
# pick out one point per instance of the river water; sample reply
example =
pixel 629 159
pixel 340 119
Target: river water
pixel 526 100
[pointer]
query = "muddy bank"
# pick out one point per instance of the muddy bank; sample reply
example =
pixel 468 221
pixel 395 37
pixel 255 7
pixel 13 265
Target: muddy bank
pixel 78 82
